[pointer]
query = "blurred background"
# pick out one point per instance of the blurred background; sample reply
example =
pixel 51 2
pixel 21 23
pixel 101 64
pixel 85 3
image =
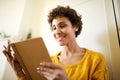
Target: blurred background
pixel 25 19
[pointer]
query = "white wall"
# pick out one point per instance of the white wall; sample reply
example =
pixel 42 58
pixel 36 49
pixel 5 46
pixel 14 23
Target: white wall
pixel 11 12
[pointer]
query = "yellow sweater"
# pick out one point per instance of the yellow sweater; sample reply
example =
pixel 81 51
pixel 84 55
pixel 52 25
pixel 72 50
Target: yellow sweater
pixel 91 67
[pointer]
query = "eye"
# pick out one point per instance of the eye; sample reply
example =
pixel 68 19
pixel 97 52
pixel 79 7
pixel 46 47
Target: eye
pixel 62 25
pixel 53 28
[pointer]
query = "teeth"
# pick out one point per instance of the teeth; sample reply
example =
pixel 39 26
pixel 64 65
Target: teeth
pixel 60 38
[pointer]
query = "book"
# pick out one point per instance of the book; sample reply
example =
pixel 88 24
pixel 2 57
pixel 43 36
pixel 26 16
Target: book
pixel 29 54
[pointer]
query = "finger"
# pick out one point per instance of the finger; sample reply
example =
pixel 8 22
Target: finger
pixel 47 75
pixel 6 53
pixel 9 50
pixel 14 56
pixel 4 46
pixel 50 65
pixel 47 70
pixel 9 58
pixel 15 59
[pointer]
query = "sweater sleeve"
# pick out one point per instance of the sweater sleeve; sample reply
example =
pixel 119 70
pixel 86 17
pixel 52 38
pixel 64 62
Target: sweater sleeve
pixel 101 71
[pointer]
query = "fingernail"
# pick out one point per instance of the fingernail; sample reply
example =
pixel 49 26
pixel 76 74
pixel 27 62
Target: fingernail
pixel 37 68
pixel 38 71
pixel 41 63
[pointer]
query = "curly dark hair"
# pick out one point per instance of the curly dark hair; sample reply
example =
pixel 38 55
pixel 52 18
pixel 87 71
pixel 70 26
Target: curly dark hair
pixel 67 12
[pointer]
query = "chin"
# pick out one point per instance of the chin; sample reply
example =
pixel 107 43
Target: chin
pixel 61 44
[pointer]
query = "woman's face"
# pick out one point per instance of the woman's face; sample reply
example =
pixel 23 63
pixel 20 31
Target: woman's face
pixel 63 31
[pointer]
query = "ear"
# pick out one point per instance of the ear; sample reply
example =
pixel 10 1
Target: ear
pixel 75 28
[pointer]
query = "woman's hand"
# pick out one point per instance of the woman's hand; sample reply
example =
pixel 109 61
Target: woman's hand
pixel 52 71
pixel 12 60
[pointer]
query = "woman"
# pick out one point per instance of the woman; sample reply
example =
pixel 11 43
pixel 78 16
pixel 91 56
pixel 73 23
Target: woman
pixel 73 62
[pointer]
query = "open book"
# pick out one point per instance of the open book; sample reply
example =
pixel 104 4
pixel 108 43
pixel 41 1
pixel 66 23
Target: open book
pixel 30 53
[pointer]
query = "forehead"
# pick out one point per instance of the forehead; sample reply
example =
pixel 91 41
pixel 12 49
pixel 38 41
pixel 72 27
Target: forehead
pixel 59 20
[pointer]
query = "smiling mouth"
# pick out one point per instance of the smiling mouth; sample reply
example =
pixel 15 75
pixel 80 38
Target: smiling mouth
pixel 59 39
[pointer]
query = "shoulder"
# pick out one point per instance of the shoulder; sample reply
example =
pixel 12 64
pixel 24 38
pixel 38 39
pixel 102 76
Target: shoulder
pixel 92 53
pixel 95 56
pixel 98 65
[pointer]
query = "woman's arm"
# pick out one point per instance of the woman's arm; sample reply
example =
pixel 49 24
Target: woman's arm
pixel 101 70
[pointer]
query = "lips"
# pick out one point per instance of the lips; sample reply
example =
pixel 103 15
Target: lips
pixel 60 38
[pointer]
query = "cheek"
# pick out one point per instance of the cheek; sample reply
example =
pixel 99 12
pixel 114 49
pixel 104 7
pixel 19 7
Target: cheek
pixel 53 34
pixel 71 33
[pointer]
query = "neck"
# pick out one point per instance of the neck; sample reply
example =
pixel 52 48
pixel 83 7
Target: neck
pixel 71 49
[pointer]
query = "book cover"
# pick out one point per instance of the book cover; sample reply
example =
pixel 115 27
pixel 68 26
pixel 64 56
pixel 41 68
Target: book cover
pixel 30 53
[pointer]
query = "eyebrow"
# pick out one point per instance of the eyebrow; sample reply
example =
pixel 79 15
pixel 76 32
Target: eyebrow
pixel 62 22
